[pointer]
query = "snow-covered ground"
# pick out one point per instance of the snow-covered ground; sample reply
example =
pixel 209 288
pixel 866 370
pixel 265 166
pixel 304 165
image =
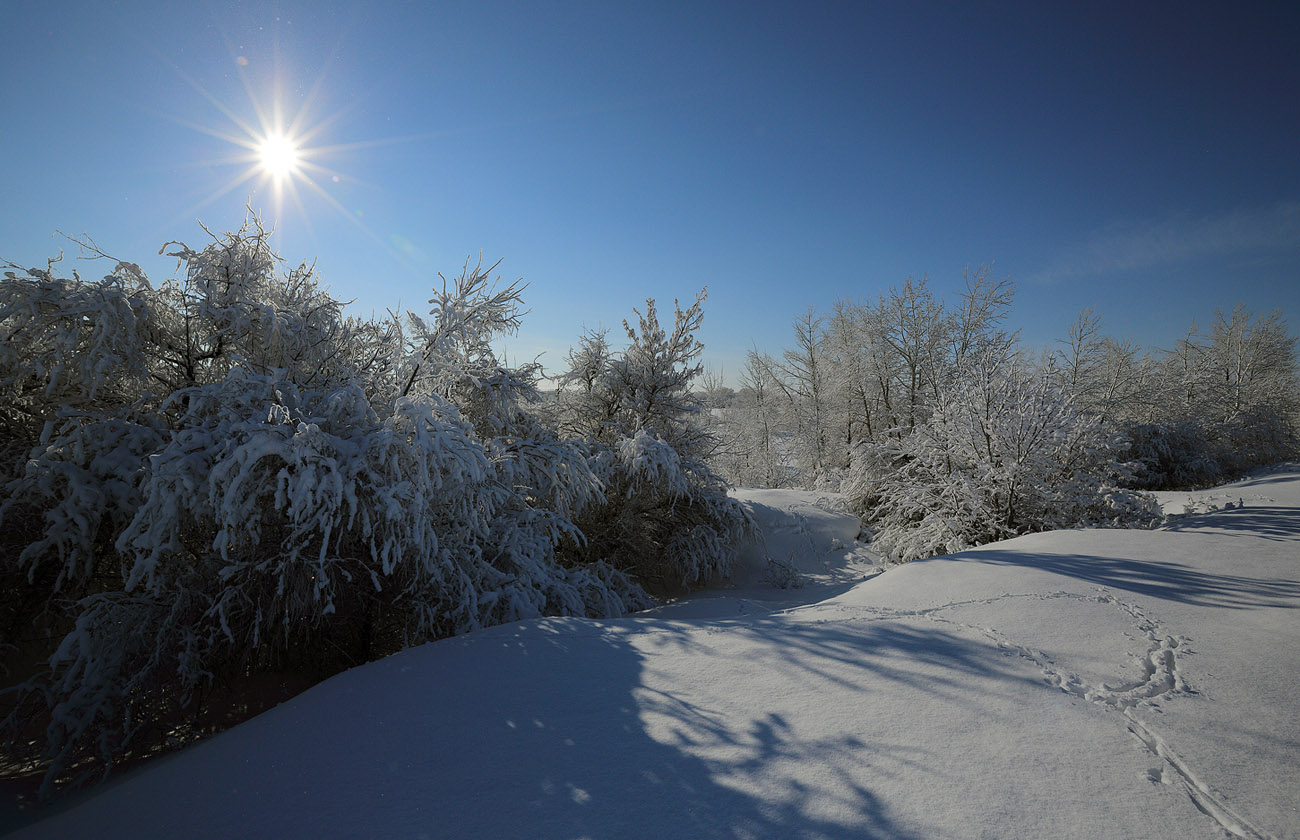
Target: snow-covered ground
pixel 1114 684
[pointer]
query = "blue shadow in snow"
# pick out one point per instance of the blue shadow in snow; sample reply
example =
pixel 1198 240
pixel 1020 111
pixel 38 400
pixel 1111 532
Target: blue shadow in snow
pixel 1164 579
pixel 1274 523
pixel 542 730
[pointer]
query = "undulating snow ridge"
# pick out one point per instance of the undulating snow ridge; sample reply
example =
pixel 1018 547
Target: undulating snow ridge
pixel 1068 684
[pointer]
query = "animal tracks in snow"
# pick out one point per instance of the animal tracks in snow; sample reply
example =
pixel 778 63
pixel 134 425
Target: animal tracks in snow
pixel 1092 645
pixel 1149 673
pixel 1032 629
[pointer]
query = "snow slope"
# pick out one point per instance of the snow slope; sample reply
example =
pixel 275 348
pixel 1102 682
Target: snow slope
pixel 1072 684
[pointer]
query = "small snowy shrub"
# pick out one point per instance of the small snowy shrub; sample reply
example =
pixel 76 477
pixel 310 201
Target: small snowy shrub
pixel 668 521
pixel 782 573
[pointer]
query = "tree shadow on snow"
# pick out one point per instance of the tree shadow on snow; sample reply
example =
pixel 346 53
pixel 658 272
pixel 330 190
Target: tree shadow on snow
pixel 590 746
pixel 1164 579
pixel 555 729
pixel 1274 523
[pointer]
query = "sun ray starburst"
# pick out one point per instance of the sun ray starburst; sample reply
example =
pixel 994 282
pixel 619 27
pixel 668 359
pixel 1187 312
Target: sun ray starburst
pixel 280 153
pixel 273 152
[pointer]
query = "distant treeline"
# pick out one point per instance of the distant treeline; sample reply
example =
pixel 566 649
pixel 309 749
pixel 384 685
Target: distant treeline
pixel 943 431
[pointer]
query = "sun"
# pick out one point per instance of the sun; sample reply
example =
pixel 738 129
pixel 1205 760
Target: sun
pixel 279 150
pixel 278 155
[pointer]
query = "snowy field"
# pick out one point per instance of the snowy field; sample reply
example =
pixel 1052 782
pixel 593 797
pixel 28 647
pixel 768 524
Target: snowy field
pixel 1112 684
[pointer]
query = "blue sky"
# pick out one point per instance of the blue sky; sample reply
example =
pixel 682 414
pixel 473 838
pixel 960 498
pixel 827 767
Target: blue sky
pixel 1139 160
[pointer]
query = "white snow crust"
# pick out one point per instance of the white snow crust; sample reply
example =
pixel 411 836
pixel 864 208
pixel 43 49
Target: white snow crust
pixel 1081 683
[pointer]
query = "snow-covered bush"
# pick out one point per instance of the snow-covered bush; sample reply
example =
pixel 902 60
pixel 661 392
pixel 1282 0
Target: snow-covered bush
pixel 1172 454
pixel 224 477
pixel 1006 452
pixel 666 518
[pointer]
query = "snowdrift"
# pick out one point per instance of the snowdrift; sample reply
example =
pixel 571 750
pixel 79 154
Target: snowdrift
pixel 1066 684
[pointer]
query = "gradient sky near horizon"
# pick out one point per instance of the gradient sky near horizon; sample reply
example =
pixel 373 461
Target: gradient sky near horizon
pixel 1139 158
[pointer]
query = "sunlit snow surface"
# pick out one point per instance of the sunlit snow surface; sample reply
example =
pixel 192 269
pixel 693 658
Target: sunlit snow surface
pixel 1116 684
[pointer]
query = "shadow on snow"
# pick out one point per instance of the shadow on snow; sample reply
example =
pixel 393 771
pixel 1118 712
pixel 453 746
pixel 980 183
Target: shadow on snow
pixel 1163 579
pixel 1274 523
pixel 556 729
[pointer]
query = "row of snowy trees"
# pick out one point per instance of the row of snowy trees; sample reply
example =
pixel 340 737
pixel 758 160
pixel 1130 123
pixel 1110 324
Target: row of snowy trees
pixel 866 372
pixel 944 432
pixel 223 477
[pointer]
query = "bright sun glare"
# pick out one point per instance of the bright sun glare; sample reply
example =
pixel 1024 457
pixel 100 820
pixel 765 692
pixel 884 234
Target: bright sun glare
pixel 279 151
pixel 278 155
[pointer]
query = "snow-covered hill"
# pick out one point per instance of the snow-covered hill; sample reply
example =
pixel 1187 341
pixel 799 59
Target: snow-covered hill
pixel 1069 684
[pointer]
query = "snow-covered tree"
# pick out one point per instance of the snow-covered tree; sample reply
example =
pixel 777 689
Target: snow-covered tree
pixel 806 373
pixel 1006 453
pixel 877 369
pixel 758 428
pixel 666 518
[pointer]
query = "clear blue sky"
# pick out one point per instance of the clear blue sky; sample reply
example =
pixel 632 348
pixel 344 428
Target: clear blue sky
pixel 1142 158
